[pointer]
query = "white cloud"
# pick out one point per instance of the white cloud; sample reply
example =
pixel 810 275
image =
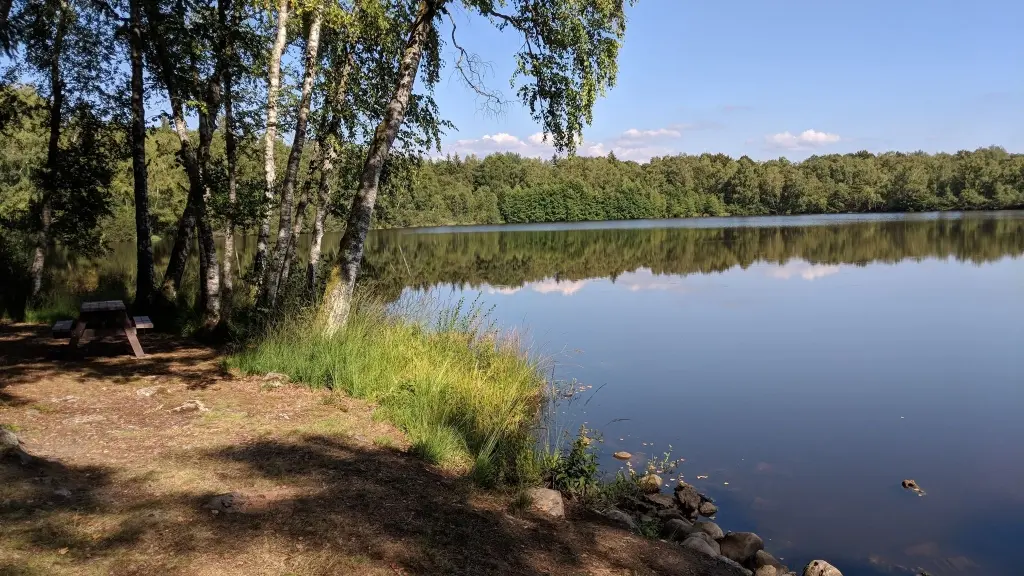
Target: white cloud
pixel 635 134
pixel 633 144
pixel 802 141
pixel 554 286
pixel 802 269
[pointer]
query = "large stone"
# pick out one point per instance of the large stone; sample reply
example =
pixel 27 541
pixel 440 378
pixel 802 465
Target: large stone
pixel 676 529
pixel 711 529
pixel 649 483
pixel 621 518
pixel 821 568
pixel 708 509
pixel 711 541
pixel 735 566
pixel 766 571
pixel 547 502
pixel 763 558
pixel 661 501
pixel 688 497
pixel 700 546
pixel 741 546
pixel 8 441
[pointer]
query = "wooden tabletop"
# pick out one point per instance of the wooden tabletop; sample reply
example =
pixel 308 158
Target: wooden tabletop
pixel 104 306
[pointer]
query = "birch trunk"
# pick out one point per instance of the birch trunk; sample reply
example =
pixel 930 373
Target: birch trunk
pixel 293 239
pixel 284 229
pixel 259 263
pixel 328 138
pixel 145 278
pixel 52 154
pixel 231 151
pixel 341 284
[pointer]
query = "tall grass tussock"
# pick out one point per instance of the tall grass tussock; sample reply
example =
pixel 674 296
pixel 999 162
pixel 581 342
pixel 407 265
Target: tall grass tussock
pixel 467 395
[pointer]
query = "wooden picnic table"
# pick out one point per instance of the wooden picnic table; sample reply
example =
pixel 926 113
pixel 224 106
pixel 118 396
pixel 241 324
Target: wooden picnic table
pixel 107 316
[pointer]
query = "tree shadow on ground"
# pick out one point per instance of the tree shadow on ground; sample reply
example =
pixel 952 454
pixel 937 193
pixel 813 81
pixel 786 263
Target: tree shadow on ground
pixel 329 506
pixel 132 489
pixel 29 352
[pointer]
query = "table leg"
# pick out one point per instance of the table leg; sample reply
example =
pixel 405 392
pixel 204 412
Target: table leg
pixel 131 335
pixel 76 333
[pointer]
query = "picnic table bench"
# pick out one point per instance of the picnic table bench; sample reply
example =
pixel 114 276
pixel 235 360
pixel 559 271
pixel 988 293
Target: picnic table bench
pixel 105 317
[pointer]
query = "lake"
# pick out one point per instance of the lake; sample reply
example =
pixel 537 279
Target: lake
pixel 805 365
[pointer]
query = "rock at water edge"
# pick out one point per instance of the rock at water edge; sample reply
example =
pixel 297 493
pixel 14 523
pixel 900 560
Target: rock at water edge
pixel 708 509
pixel 741 546
pixel 661 501
pixel 688 497
pixel 700 546
pixel 766 571
pixel 735 565
pixel 671 514
pixel 547 502
pixel 649 483
pixel 821 568
pixel 621 518
pixel 711 529
pixel 676 529
pixel 763 558
pixel 711 541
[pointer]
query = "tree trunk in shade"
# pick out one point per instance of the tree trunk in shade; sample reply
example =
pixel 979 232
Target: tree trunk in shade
pixel 342 280
pixel 52 154
pixel 145 279
pixel 284 230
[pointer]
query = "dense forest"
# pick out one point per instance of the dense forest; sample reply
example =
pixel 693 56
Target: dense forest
pixel 508 188
pixel 135 119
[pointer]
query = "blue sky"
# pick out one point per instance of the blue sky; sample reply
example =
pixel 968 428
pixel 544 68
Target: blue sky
pixel 787 78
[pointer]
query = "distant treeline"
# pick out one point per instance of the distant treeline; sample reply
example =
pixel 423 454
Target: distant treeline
pixel 508 188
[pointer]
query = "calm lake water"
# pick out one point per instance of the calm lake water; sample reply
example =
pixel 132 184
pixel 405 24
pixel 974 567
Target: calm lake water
pixel 805 365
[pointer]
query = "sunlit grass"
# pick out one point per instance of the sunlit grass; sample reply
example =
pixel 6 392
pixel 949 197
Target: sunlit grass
pixel 466 396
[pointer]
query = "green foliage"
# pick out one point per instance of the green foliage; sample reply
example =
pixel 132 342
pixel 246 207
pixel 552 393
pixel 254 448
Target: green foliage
pixel 574 471
pixel 467 399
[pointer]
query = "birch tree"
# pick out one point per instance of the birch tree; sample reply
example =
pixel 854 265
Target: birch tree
pixel 568 59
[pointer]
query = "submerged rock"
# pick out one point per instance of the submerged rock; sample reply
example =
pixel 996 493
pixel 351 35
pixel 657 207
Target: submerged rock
pixel 913 487
pixel 622 455
pixel 821 568
pixel 741 546
pixel 547 501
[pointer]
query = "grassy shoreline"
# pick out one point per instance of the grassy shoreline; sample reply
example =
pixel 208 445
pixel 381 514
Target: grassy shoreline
pixel 467 397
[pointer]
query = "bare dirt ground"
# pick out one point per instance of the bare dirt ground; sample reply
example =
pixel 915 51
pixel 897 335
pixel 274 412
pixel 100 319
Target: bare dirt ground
pixel 122 484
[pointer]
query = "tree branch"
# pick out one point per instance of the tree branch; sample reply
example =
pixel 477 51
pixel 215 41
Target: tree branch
pixel 472 70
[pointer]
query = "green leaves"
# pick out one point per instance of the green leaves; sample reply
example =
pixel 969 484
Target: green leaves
pixel 568 59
